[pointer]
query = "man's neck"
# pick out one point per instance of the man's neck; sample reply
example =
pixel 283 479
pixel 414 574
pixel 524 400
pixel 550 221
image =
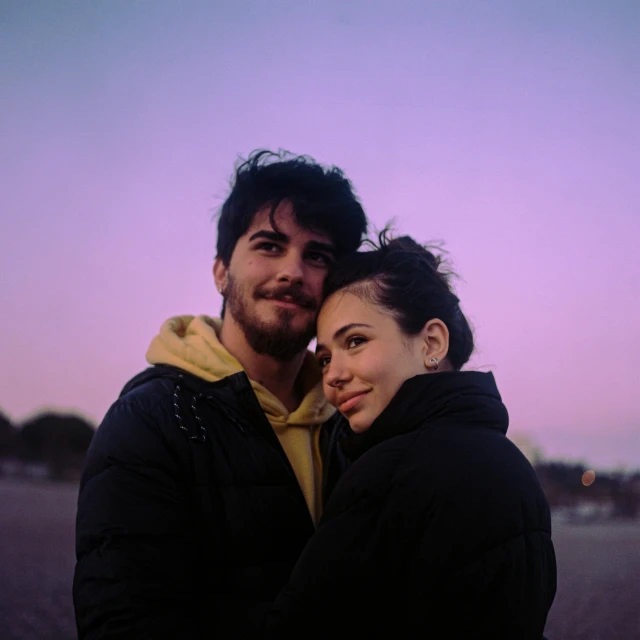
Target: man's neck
pixel 277 377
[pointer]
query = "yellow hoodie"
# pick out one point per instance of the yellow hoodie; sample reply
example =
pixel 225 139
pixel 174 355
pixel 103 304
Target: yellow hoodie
pixel 192 344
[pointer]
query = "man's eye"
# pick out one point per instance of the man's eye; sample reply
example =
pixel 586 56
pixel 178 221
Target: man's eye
pixel 269 247
pixel 320 258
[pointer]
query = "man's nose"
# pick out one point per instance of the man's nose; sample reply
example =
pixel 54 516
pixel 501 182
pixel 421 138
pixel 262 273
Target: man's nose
pixel 291 269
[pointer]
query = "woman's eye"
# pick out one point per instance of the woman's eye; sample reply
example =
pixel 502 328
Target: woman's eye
pixel 323 361
pixel 354 342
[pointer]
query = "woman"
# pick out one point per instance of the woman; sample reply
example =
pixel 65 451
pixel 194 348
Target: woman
pixel 439 529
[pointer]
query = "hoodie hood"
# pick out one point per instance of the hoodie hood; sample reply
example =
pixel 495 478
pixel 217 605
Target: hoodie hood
pixel 192 344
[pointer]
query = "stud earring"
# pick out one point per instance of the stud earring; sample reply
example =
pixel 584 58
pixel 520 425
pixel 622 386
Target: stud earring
pixel 434 363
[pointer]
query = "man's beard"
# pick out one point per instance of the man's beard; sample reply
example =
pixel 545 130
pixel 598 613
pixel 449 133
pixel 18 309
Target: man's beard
pixel 278 339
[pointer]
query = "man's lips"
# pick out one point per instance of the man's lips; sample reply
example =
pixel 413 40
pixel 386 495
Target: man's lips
pixel 287 304
pixel 350 400
pixel 288 298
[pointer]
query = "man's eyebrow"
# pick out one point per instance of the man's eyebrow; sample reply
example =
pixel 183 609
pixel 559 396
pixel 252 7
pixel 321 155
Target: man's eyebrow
pixel 342 331
pixel 315 245
pixel 274 236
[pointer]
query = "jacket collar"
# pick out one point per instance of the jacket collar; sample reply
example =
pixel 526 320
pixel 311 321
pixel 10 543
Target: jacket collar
pixel 466 398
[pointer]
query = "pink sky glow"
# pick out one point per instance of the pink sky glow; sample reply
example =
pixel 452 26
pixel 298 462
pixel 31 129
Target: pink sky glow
pixel 508 130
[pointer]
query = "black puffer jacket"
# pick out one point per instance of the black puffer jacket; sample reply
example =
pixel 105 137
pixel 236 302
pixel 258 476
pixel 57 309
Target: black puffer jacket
pixel 438 530
pixel 189 513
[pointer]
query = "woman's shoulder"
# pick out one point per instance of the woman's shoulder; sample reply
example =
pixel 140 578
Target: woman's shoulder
pixel 447 459
pixel 470 471
pixel 483 483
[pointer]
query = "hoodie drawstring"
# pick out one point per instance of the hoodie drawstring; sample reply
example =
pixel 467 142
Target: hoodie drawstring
pixel 202 436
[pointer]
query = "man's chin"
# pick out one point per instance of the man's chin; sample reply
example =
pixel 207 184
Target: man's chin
pixel 293 328
pixel 280 341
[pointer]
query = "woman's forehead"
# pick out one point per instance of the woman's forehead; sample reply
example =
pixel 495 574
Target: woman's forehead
pixel 342 308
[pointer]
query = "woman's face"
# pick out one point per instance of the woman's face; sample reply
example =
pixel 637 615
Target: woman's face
pixel 364 356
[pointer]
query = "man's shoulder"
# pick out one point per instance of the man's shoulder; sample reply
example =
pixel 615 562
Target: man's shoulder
pixel 146 400
pixel 164 395
pixel 157 407
pixel 151 381
pixel 159 382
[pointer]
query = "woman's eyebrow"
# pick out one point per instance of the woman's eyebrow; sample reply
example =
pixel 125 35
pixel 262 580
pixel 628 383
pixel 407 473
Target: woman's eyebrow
pixel 342 330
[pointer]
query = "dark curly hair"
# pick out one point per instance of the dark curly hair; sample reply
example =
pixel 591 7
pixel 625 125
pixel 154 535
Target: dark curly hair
pixel 410 282
pixel 323 200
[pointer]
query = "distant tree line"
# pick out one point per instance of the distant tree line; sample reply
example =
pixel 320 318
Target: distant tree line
pixel 53 445
pixel 49 444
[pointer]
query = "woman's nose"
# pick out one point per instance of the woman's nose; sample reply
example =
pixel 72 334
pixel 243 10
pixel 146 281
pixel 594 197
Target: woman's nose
pixel 336 374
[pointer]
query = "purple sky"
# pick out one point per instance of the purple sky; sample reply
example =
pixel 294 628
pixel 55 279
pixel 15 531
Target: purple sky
pixel 509 130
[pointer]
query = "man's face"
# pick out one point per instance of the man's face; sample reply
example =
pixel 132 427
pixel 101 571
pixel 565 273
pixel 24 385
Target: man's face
pixel 273 283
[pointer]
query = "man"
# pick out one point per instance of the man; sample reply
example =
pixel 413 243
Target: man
pixel 204 481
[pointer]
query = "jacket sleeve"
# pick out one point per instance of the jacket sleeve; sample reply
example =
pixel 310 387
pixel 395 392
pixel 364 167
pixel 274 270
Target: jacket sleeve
pixel 135 545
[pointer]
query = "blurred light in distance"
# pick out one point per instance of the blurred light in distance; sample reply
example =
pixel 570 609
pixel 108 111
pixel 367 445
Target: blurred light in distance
pixel 588 477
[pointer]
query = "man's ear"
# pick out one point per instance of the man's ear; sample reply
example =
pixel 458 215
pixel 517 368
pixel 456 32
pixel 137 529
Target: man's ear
pixel 435 337
pixel 220 275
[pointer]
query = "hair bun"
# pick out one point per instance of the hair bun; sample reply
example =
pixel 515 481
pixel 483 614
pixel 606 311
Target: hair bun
pixel 409 280
pixel 407 243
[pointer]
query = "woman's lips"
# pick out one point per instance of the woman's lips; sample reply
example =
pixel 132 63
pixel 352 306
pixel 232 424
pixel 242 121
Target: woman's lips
pixel 349 404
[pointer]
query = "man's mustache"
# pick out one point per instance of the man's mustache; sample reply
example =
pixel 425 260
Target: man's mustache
pixel 287 293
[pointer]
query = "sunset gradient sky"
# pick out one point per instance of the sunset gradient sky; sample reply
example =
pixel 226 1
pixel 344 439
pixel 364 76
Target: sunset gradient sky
pixel 509 130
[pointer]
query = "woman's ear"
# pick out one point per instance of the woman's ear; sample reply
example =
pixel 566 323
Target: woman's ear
pixel 435 337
